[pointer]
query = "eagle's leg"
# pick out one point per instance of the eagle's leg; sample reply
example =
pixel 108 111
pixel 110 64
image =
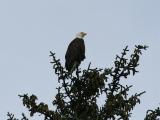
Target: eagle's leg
pixel 75 67
pixel 77 72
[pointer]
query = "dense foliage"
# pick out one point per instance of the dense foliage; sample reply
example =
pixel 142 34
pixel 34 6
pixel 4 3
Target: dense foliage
pixel 77 94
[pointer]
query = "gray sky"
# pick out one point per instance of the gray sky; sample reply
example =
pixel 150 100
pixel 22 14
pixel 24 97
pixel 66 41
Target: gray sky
pixel 30 29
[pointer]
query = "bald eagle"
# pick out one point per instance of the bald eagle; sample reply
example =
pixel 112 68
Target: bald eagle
pixel 75 52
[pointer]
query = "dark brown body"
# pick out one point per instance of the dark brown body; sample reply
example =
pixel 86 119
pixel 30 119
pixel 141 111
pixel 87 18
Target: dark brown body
pixel 75 53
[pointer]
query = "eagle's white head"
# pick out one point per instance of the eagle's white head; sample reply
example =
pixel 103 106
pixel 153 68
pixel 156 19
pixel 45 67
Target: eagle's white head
pixel 81 35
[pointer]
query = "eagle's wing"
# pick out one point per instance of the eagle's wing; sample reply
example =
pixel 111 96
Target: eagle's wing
pixel 75 53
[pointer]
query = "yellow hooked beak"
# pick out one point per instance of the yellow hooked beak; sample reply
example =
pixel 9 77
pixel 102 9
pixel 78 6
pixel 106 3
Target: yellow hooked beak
pixel 83 33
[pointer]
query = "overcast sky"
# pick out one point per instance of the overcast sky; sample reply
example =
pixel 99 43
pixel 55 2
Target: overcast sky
pixel 29 29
